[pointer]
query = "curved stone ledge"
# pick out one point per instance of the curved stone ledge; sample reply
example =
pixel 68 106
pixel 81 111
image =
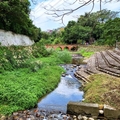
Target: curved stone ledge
pixel 91 109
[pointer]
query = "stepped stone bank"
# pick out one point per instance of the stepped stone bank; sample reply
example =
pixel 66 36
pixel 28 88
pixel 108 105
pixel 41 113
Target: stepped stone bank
pixel 107 62
pixel 102 62
pixel 8 38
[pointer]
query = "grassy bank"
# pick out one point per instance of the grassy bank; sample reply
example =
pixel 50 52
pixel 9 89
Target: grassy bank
pixel 104 89
pixel 27 75
pixel 89 50
pixel 21 89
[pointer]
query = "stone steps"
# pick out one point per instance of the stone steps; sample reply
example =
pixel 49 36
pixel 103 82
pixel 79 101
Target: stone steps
pixel 81 74
pixel 84 72
pixel 91 67
pixel 112 63
pixel 102 66
pixel 117 51
pixel 101 62
pixel 114 55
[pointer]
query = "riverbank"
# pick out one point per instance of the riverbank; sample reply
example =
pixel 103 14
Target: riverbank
pixel 54 105
pixel 48 62
pixel 102 88
pixel 26 76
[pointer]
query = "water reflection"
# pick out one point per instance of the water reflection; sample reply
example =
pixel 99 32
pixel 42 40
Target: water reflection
pixel 67 90
pixel 67 87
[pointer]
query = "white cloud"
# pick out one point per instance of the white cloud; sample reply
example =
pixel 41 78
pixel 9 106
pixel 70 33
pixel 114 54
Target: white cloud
pixel 45 21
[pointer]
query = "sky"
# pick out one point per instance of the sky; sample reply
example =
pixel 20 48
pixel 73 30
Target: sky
pixel 42 12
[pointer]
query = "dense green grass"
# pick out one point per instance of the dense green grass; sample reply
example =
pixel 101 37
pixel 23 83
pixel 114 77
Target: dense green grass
pixel 86 53
pixel 57 57
pixel 89 50
pixel 21 88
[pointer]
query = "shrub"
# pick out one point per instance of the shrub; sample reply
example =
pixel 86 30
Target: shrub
pixel 63 56
pixel 86 53
pixel 21 57
pixel 39 50
pixel 35 66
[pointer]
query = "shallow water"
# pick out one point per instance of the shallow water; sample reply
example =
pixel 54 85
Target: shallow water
pixel 67 90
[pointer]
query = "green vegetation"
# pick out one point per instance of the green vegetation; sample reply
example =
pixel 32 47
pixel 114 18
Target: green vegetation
pixel 27 74
pixel 21 89
pixel 14 16
pixel 89 50
pixel 86 53
pixel 99 28
pixel 103 89
pixel 111 32
pixel 59 57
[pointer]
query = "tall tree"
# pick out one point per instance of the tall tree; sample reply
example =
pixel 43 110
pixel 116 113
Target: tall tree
pixel 112 31
pixel 95 21
pixel 14 16
pixel 88 28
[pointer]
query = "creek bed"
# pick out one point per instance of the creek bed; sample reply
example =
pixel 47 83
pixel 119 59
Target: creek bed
pixel 67 90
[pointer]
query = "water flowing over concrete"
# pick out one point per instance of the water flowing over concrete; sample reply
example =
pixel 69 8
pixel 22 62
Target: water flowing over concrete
pixel 8 38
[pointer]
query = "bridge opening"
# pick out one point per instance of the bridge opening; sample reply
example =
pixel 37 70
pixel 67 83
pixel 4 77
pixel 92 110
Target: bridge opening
pixel 66 48
pixel 74 48
pixel 59 49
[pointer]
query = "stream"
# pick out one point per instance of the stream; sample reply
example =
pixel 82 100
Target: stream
pixel 67 90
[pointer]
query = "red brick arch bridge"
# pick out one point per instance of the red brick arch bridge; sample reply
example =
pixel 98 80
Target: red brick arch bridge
pixel 70 47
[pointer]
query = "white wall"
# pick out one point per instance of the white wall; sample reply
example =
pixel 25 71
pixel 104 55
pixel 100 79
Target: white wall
pixel 8 38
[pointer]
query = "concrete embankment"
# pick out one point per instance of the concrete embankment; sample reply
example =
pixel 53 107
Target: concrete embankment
pixel 95 111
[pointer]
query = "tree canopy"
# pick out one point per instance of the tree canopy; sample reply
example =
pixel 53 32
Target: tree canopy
pixel 14 16
pixel 89 27
pixel 97 27
pixel 111 32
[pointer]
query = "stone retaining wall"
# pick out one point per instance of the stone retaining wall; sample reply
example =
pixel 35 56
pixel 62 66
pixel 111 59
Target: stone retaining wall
pixel 8 38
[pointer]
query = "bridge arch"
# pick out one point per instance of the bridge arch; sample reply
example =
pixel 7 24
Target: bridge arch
pixel 66 48
pixel 62 47
pixel 59 48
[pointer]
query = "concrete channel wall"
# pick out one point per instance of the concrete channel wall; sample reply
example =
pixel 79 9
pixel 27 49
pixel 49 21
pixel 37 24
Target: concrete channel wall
pixel 94 110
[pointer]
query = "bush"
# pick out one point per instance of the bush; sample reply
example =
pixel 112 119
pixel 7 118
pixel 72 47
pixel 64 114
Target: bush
pixel 63 56
pixel 50 51
pixel 86 53
pixel 23 89
pixel 15 57
pixel 35 66
pixel 100 42
pixel 110 42
pixel 39 50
